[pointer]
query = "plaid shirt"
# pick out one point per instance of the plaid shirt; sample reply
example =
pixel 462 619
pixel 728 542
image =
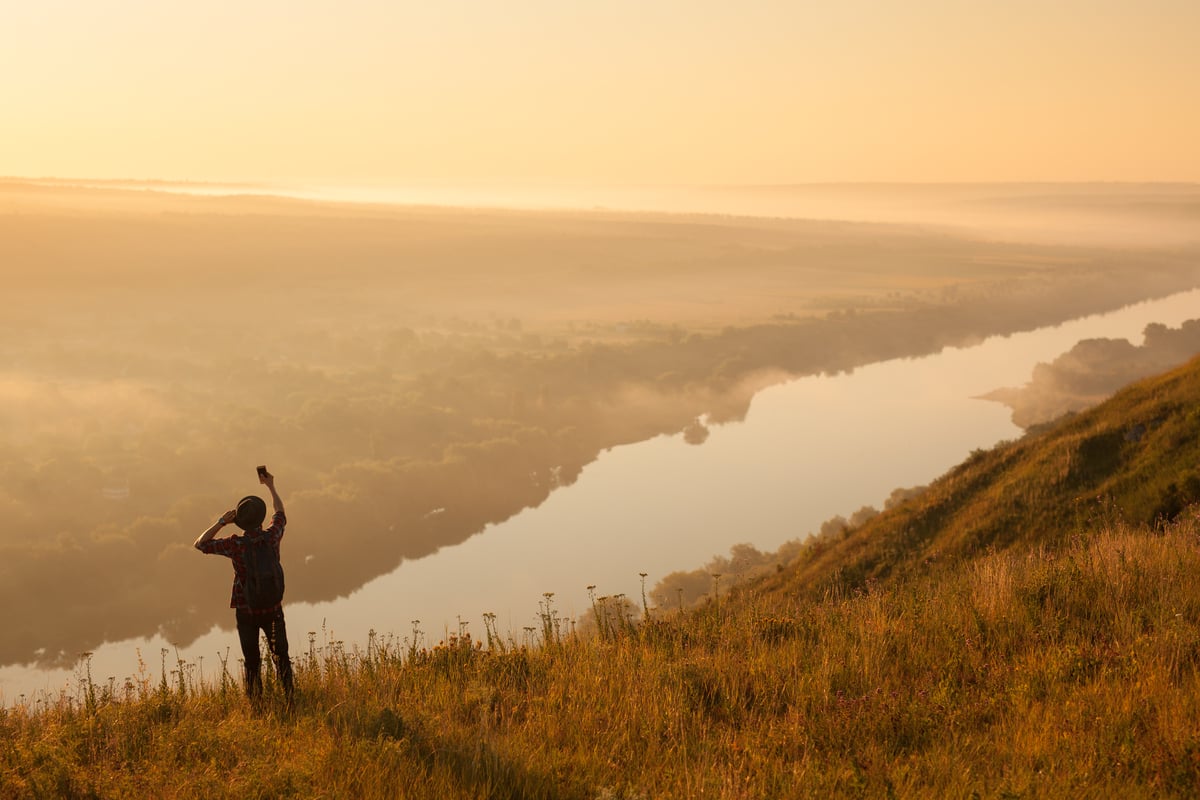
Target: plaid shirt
pixel 234 548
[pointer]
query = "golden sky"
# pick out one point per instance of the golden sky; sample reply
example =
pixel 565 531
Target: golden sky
pixel 601 91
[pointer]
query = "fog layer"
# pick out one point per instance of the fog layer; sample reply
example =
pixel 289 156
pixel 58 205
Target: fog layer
pixel 1092 370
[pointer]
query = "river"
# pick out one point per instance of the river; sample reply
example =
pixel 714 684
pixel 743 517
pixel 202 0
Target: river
pixel 807 450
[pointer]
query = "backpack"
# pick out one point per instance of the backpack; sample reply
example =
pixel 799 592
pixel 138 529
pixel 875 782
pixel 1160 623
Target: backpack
pixel 264 574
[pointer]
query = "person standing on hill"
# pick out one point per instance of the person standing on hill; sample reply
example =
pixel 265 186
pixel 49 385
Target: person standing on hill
pixel 257 582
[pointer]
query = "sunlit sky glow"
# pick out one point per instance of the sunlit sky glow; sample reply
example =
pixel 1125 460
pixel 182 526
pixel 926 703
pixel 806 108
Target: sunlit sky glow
pixel 601 91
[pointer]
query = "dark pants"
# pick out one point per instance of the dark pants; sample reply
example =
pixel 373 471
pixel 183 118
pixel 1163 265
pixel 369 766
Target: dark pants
pixel 270 623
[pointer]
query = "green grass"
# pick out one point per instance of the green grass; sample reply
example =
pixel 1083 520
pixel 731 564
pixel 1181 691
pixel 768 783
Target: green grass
pixel 1028 627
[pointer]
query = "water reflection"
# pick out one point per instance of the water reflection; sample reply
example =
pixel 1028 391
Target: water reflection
pixel 807 450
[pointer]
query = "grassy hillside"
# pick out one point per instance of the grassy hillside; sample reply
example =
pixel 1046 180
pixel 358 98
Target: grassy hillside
pixel 1004 635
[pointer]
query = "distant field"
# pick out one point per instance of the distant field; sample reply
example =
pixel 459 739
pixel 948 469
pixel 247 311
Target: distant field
pixel 426 265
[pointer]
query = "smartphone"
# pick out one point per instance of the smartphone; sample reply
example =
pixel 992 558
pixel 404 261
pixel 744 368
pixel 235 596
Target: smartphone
pixel 262 474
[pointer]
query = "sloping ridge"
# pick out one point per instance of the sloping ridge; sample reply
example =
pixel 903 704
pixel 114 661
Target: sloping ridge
pixel 1135 457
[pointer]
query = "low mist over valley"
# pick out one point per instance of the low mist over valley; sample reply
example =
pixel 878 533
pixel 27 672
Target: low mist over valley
pixel 1094 369
pixel 412 374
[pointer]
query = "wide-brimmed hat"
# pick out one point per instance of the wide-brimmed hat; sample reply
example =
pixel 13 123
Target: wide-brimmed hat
pixel 251 511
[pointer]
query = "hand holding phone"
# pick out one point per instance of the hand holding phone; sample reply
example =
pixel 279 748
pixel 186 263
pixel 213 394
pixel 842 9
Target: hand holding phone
pixel 263 474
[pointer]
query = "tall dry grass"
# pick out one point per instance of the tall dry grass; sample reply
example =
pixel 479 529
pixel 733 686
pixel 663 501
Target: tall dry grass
pixel 1066 672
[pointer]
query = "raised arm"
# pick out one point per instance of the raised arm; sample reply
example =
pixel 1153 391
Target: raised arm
pixel 269 480
pixel 221 522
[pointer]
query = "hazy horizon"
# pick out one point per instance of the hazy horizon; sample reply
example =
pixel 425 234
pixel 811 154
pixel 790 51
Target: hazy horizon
pixel 1159 214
